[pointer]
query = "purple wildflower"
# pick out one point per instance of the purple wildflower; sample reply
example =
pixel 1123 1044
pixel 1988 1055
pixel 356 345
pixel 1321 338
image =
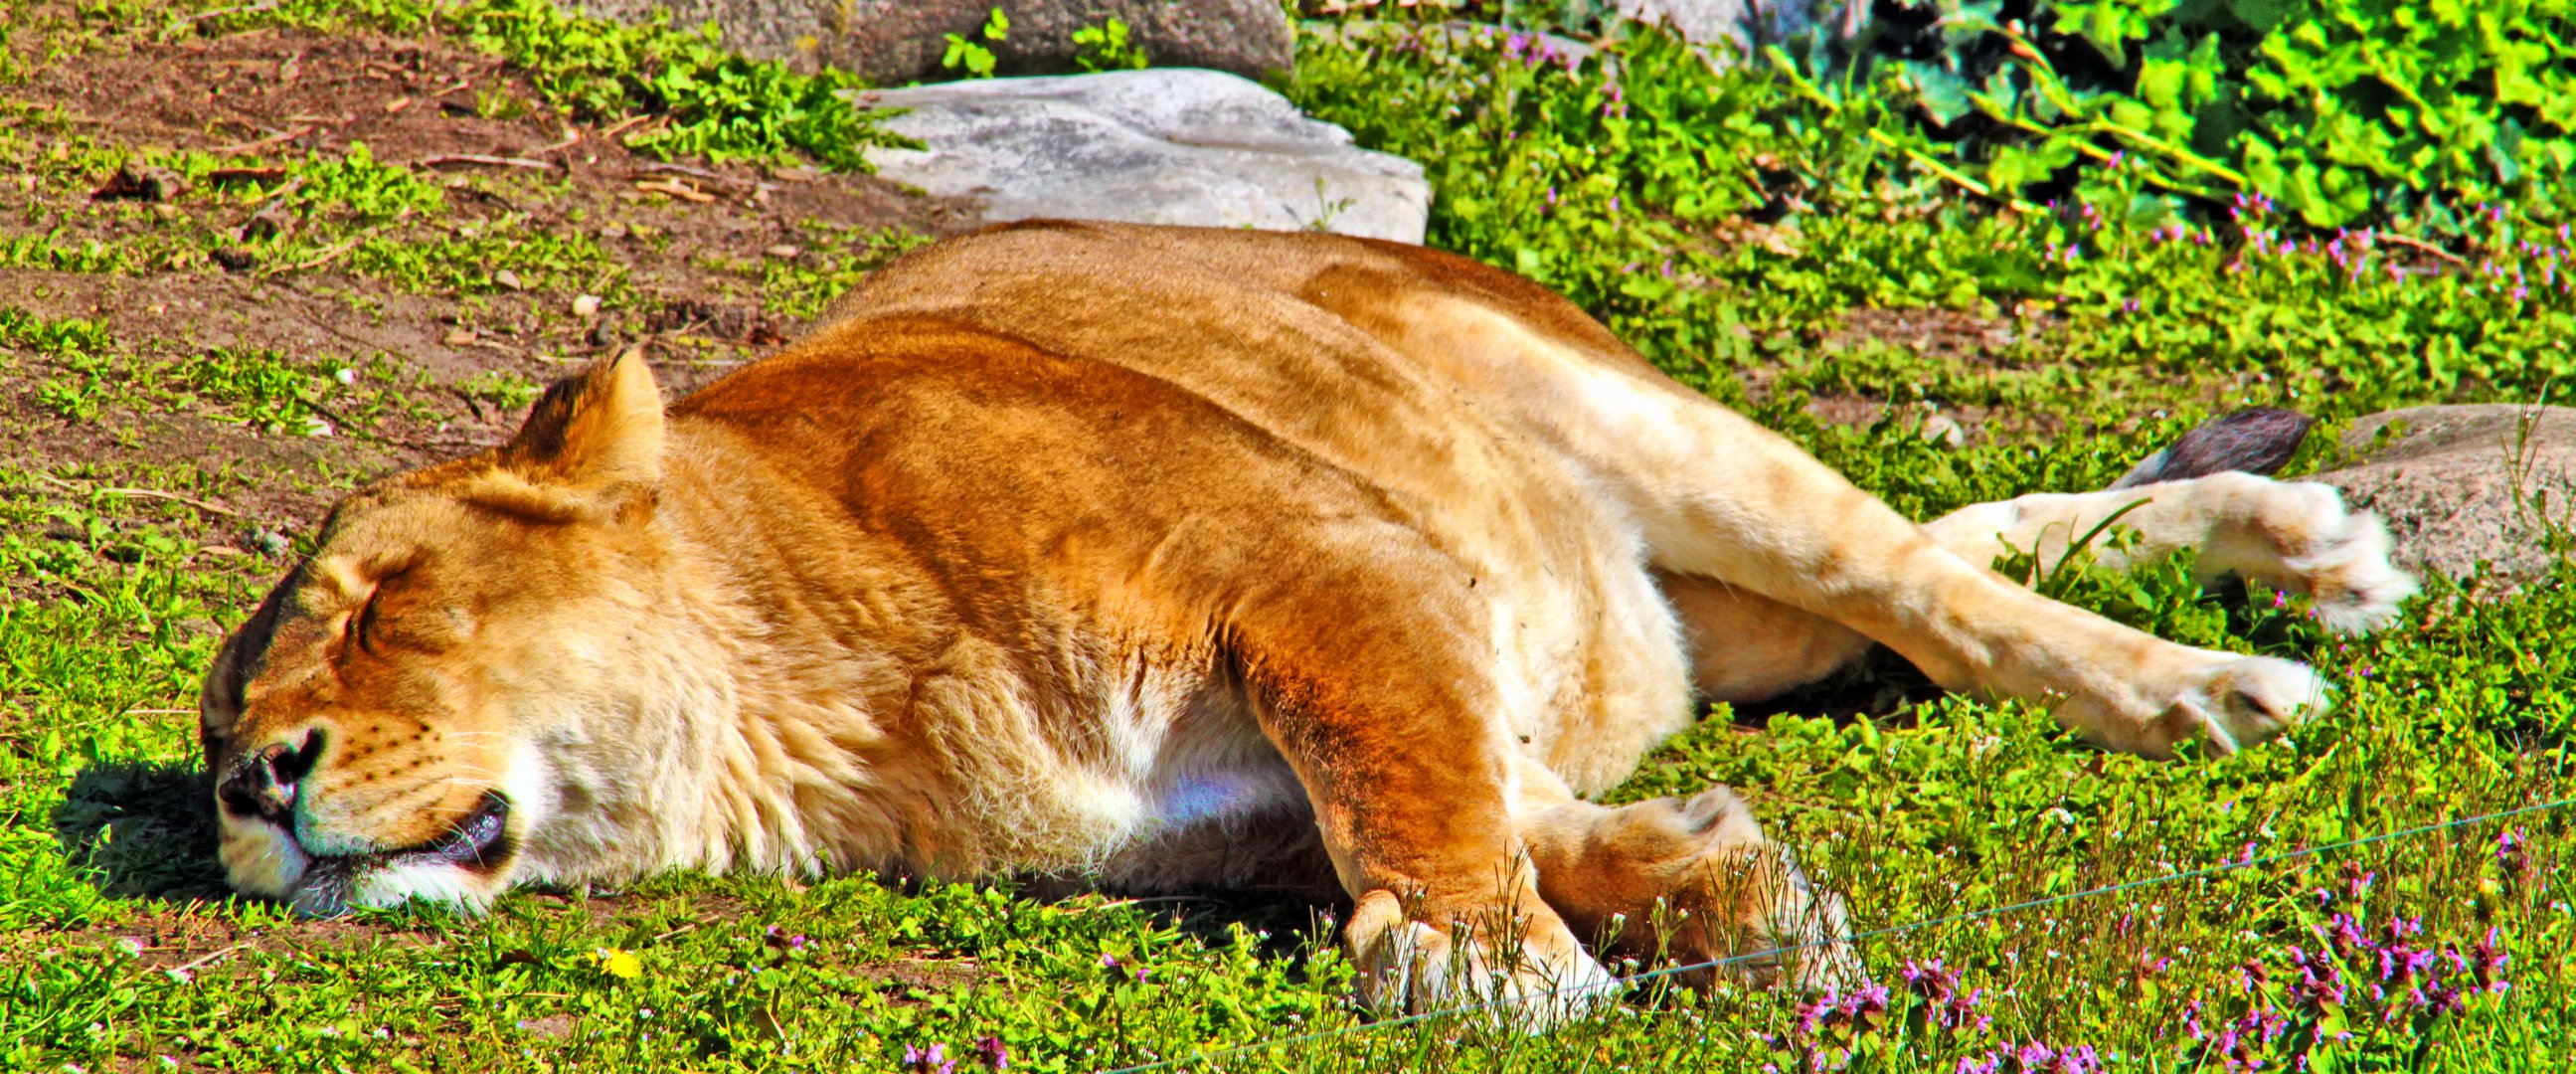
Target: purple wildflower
pixel 993 1053
pixel 2252 976
pixel 1930 981
pixel 933 1061
pixel 2489 965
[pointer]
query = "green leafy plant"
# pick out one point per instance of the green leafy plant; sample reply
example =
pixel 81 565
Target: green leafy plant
pixel 973 58
pixel 355 182
pixel 714 102
pixel 257 387
pixel 1106 48
pixel 2343 111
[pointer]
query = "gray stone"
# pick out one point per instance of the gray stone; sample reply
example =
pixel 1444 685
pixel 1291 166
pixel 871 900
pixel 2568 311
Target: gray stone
pixel 1745 22
pixel 891 42
pixel 2460 485
pixel 1158 146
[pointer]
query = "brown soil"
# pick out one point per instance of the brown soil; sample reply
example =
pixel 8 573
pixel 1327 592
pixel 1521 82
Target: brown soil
pixel 679 232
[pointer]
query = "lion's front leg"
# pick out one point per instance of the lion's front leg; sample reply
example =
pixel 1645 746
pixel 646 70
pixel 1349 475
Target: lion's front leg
pixel 1449 909
pixel 1381 696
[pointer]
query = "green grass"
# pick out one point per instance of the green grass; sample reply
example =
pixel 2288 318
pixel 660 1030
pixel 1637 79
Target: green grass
pixel 120 950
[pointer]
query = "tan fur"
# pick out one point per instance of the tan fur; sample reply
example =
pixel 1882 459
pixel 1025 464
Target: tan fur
pixel 1161 558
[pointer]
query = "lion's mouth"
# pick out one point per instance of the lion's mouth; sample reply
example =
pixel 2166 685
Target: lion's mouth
pixel 480 843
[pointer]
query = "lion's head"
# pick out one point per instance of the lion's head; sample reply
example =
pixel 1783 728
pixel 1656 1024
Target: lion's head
pixel 426 706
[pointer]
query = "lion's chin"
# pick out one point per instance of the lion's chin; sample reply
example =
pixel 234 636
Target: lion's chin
pixel 384 884
pixel 465 869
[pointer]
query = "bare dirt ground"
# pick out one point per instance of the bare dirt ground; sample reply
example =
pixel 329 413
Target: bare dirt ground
pixel 685 244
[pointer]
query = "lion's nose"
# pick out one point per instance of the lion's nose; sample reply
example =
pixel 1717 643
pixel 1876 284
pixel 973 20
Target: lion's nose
pixel 262 783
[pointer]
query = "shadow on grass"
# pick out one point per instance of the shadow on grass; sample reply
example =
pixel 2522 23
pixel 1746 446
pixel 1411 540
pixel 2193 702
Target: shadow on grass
pixel 145 831
pixel 1881 686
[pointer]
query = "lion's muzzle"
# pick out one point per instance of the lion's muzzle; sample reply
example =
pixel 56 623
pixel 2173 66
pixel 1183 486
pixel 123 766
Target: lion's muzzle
pixel 479 845
pixel 262 784
pixel 272 848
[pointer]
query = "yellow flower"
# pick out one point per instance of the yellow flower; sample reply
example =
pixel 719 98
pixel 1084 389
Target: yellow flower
pixel 618 962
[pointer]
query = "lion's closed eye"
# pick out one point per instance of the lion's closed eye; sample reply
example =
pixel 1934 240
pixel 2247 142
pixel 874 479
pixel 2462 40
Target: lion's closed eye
pixel 364 629
pixel 362 623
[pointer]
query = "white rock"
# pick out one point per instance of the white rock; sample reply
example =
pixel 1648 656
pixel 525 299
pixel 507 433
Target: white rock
pixel 1749 25
pixel 1157 146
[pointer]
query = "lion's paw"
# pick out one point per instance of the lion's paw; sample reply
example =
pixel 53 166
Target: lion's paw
pixel 2300 536
pixel 1408 966
pixel 2247 700
pixel 2347 571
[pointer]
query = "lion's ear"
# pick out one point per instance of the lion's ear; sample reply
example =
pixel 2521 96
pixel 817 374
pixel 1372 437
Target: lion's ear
pixel 598 428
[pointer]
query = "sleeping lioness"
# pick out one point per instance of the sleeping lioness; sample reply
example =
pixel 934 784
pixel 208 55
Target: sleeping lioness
pixel 1170 558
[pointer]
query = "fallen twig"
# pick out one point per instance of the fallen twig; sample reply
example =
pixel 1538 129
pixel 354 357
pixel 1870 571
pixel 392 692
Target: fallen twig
pixel 683 169
pixel 699 173
pixel 201 961
pixel 647 126
pixel 478 158
pixel 675 188
pixel 218 13
pixel 2419 244
pixel 326 257
pixel 273 138
pixel 154 494
pixel 620 126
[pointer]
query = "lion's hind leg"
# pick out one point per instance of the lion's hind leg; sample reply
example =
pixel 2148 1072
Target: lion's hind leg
pixel 1723 499
pixel 1688 882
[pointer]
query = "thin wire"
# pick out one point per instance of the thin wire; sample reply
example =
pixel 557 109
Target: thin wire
pixel 1953 919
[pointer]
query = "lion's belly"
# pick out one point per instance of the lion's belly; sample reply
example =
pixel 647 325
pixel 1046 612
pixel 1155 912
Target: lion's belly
pixel 1178 789
pixel 1182 791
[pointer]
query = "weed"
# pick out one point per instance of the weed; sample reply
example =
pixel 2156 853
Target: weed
pixel 1106 48
pixel 508 391
pixel 971 58
pixel 716 103
pixel 258 388
pixel 841 255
